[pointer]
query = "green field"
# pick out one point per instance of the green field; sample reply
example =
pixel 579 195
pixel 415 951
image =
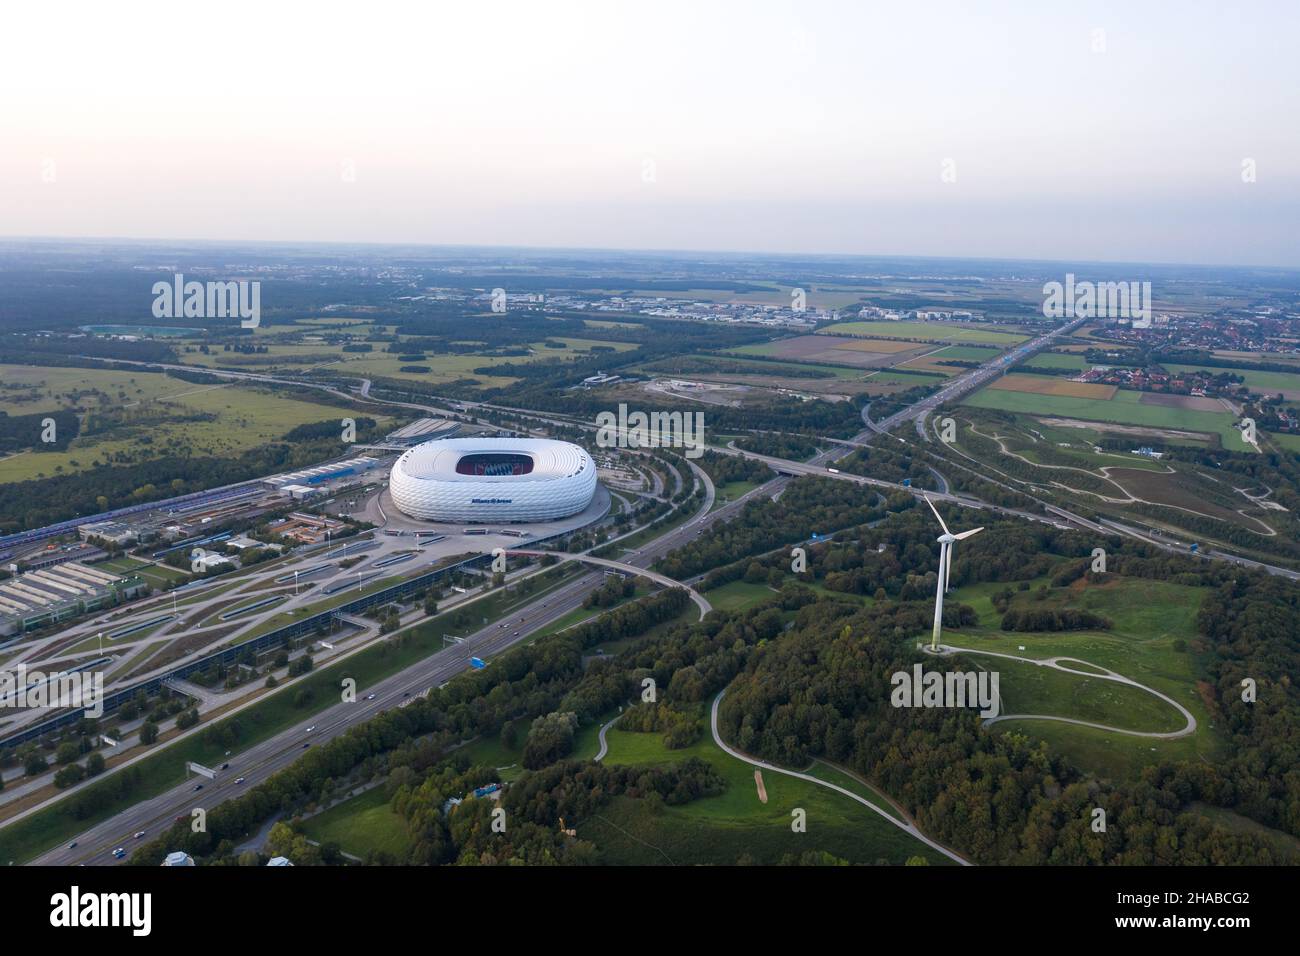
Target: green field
pixel 734 824
pixel 360 825
pixel 151 407
pixel 731 491
pixel 1267 383
pixel 925 331
pixel 443 367
pixel 739 595
pixel 1058 360
pixel 965 353
pixel 1148 617
pixel 1123 409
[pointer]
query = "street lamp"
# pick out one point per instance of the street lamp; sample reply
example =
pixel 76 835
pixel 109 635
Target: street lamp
pixel 295 584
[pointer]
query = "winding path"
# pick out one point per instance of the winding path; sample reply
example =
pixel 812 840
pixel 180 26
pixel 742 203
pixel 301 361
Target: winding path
pixel 908 828
pixel 1107 674
pixel 604 744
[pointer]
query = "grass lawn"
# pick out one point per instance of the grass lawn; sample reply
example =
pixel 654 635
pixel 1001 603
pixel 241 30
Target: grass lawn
pixel 360 825
pixel 723 828
pixel 738 595
pixel 1148 617
pixel 731 491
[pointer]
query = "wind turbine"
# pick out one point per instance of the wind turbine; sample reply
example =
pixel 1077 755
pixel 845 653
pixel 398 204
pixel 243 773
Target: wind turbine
pixel 946 541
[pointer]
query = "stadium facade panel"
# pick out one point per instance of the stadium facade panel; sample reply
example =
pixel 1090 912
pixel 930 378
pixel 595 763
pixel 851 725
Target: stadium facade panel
pixel 492 480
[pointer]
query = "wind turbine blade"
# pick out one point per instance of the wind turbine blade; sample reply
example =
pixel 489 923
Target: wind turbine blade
pixel 936 514
pixel 967 534
pixel 947 573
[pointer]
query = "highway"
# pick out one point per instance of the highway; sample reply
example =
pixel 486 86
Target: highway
pixel 95 845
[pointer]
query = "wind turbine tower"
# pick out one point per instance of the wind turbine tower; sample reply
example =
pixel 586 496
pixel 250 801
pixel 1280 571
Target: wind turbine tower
pixel 946 542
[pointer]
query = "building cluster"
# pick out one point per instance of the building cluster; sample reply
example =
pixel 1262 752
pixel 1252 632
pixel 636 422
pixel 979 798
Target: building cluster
pixel 1156 379
pixel 1265 331
pixel 305 528
pixel 876 313
pixel 300 485
pixel 48 595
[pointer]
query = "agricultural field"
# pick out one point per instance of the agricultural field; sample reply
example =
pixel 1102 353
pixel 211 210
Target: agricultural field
pixel 1058 360
pixel 829 349
pixel 1052 385
pixel 1124 407
pixel 927 332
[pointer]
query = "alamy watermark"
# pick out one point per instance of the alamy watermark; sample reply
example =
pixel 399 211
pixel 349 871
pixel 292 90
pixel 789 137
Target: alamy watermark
pixel 1098 300
pixel 22 688
pixel 209 300
pixel 624 429
pixel 921 688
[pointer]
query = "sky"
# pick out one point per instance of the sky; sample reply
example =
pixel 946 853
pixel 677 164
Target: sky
pixel 1141 131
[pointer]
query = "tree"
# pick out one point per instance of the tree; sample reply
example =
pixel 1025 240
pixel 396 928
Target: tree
pixel 549 739
pixel 148 732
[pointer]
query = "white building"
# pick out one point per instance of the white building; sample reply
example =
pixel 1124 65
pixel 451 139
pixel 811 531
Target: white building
pixel 493 480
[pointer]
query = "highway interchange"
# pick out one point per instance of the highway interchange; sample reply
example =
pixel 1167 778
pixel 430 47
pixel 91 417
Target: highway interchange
pixel 95 845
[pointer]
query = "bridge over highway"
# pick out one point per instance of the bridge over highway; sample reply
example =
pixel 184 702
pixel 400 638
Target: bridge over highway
pixel 661 579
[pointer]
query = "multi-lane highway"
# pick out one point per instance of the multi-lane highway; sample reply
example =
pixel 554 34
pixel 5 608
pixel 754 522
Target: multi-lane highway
pixel 95 846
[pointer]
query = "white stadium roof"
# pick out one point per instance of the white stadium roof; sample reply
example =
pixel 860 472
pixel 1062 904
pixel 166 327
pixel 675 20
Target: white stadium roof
pixel 560 480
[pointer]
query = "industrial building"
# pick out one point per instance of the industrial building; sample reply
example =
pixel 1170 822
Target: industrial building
pixel 48 595
pixel 321 473
pixel 422 430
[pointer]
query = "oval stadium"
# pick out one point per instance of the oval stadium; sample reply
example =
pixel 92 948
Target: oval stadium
pixel 493 480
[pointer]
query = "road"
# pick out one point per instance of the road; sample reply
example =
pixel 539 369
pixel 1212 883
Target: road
pixel 95 845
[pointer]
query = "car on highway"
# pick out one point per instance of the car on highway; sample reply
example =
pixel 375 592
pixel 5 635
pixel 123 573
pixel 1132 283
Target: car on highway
pixel 225 766
pixel 72 845
pixel 239 780
pixel 370 696
pixel 198 786
pixel 305 746
pixel 119 853
pixel 139 834
pixel 311 728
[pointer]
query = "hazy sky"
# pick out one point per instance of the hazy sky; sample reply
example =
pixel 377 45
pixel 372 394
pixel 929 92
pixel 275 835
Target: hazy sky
pixel 1074 130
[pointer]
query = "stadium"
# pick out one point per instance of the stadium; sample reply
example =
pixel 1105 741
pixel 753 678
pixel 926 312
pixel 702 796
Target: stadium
pixel 501 480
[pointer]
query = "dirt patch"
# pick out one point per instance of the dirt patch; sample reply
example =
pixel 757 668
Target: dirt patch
pixel 758 782
pixel 859 353
pixel 1134 430
pixel 1193 403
